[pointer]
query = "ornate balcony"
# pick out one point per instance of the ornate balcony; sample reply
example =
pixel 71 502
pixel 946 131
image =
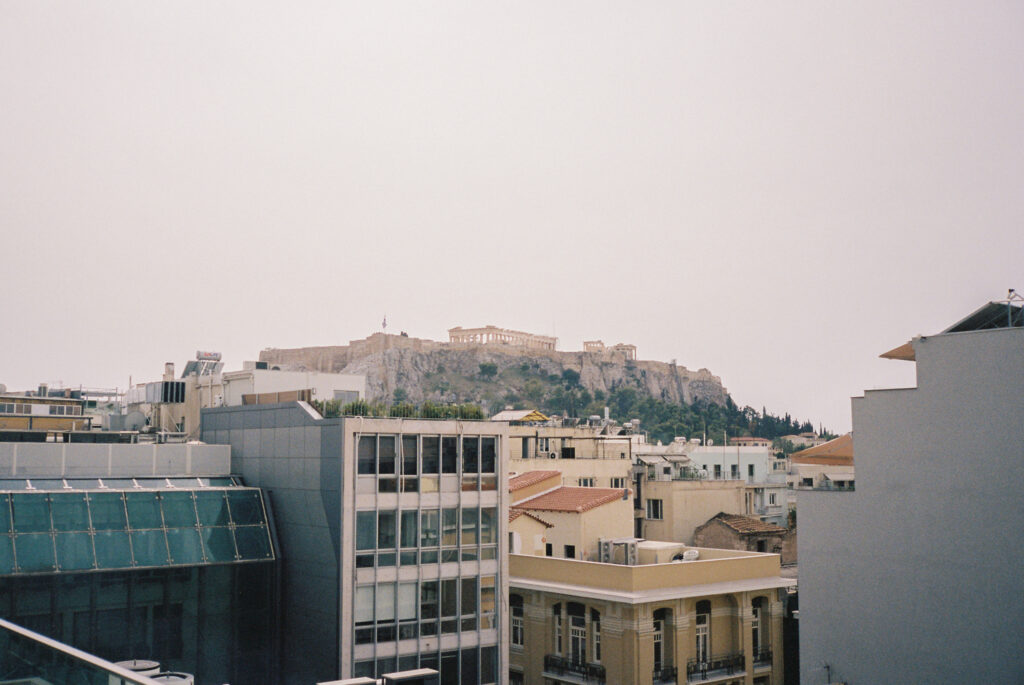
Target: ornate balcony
pixel 717 666
pixel 665 675
pixel 585 673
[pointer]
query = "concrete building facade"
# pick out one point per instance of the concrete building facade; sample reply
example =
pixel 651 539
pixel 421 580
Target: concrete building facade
pixel 914 576
pixel 394 534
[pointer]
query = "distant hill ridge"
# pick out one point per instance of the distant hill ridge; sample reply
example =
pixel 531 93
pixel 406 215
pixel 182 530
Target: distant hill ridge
pixel 401 368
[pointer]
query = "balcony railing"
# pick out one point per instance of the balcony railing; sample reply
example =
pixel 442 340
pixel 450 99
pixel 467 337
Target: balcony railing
pixel 667 674
pixel 763 657
pixel 722 664
pixel 591 673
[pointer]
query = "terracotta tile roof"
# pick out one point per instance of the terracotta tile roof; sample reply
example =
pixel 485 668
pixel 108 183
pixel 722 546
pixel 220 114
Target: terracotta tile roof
pixel 514 513
pixel 838 452
pixel 572 499
pixel 747 525
pixel 525 480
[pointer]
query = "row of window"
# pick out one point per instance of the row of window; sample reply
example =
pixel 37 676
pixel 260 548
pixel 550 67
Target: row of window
pixel 385 612
pixel 468 666
pixel 411 536
pixel 52 409
pixel 581 644
pixel 410 455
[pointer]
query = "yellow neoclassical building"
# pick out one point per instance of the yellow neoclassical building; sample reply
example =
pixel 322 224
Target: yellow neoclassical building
pixel 650 614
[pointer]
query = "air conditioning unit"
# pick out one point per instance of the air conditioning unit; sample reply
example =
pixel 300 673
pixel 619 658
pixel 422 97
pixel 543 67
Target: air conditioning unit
pixel 553 455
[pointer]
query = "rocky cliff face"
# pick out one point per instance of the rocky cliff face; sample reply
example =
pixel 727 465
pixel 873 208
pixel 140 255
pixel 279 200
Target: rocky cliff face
pixel 451 372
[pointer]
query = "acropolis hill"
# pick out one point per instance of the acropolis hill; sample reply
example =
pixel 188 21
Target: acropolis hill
pixel 451 371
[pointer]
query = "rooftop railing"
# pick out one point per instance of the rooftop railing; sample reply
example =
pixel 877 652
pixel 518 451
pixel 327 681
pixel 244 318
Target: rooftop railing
pixel 29 657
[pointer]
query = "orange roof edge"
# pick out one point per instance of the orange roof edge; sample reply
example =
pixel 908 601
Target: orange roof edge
pixel 904 352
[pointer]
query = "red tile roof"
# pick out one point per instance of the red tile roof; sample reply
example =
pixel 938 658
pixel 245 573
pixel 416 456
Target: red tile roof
pixel 747 525
pixel 572 499
pixel 525 480
pixel 513 514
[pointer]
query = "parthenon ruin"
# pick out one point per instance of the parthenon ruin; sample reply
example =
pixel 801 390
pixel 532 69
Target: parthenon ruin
pixel 492 335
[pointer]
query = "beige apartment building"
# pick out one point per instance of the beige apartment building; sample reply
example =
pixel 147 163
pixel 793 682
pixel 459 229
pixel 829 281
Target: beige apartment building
pixel 715 617
pixel 672 509
pixel 587 456
pixel 574 518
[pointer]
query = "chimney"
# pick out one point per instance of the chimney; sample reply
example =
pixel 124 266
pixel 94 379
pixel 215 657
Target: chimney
pixel 169 371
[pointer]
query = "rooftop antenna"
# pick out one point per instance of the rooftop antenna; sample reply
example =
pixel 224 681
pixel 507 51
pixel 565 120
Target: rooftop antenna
pixel 384 324
pixel 1011 297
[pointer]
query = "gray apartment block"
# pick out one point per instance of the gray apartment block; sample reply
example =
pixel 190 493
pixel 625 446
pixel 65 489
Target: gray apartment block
pixel 392 536
pixel 915 577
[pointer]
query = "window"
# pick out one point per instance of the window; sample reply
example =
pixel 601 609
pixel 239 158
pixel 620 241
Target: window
pixel 595 624
pixel 654 509
pixel 516 603
pixel 585 482
pixel 771 499
pixel 570 551
pixel 718 471
pixel 750 470
pixel 542 445
pixel 762 546
pixel 556 612
pixel 618 482
pixel 734 471
pixel 703 632
pixel 548 551
pixel 568 453
pixel 577 633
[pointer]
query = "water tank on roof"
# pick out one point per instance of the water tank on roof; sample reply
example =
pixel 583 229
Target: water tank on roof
pixel 174 677
pixel 141 666
pixel 691 555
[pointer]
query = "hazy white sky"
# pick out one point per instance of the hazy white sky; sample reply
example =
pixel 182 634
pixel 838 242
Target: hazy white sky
pixel 778 192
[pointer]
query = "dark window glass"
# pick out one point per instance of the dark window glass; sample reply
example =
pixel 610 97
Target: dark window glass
pixel 34 551
pixel 470 666
pixel 366 530
pixel 253 542
pixel 219 545
pixel 246 508
pixel 409 455
pixel 167 632
pixel 107 511
pixel 488 455
pixel 74 551
pixel 431 454
pixel 428 599
pixel 6 554
pixel 386 455
pixel 386 521
pixel 449 455
pixel 179 509
pixel 149 547
pixel 143 510
pixel 410 531
pixel 450 668
pixel 31 513
pixel 488 664
pixel 5 514
pixel 212 508
pixel 112 549
pixel 184 546
pixel 471 454
pixel 449 527
pixel 367 462
pixel 449 597
pixel 469 596
pixel 70 511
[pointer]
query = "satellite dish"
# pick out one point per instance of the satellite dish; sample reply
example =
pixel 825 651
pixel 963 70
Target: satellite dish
pixel 134 421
